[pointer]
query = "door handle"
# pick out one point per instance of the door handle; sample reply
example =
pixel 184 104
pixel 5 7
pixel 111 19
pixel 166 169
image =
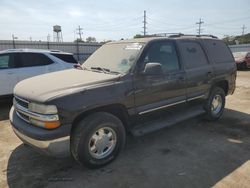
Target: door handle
pixel 9 73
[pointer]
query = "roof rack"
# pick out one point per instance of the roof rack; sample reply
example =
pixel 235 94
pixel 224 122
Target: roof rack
pixel 175 35
pixel 192 35
pixel 166 34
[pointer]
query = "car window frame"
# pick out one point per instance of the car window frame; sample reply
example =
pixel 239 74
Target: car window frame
pixel 203 49
pixel 141 67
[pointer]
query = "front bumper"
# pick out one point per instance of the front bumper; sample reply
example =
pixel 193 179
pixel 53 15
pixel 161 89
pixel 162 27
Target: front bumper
pixel 50 142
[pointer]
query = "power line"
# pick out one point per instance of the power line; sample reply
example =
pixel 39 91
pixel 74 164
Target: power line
pixel 228 21
pixel 243 29
pixel 199 28
pixel 79 29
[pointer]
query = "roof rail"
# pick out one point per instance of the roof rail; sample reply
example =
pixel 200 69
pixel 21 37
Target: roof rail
pixel 165 34
pixel 192 35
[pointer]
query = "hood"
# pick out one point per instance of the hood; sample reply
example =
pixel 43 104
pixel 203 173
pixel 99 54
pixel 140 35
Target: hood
pixel 44 87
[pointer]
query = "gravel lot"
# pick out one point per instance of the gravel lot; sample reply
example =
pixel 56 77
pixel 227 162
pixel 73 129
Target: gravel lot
pixel 195 153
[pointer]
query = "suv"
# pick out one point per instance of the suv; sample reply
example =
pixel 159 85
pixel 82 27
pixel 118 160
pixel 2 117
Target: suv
pixel 19 64
pixel 135 86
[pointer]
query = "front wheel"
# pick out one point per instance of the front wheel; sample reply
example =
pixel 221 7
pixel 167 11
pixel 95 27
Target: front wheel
pixel 97 139
pixel 215 104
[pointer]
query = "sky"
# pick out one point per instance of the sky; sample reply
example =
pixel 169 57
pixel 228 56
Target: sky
pixel 116 19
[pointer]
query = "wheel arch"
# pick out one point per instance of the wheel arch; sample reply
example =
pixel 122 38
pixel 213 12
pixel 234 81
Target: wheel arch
pixel 222 84
pixel 117 110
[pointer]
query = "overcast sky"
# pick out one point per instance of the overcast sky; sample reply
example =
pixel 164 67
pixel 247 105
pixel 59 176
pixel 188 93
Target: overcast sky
pixel 116 19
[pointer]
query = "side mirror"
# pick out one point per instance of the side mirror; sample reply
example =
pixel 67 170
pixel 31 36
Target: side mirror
pixel 153 69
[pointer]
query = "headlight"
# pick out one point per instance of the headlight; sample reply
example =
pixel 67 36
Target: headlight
pixel 48 117
pixel 42 109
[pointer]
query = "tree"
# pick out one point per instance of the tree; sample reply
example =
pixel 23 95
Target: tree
pixel 138 36
pixel 91 39
pixel 78 40
pixel 241 39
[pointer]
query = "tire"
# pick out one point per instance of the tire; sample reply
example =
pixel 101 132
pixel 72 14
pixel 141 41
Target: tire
pixel 97 139
pixel 215 110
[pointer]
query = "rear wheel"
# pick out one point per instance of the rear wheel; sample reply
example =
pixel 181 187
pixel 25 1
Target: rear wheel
pixel 97 139
pixel 215 104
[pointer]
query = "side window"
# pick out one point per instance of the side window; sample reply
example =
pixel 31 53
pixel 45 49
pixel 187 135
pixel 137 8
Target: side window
pixel 31 59
pixel 163 53
pixel 192 54
pixel 218 51
pixel 6 61
pixel 65 57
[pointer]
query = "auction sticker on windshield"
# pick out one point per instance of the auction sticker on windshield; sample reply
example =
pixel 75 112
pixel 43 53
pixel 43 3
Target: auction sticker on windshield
pixel 133 46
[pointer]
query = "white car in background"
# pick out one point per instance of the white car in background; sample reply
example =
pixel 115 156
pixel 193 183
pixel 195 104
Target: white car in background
pixel 19 64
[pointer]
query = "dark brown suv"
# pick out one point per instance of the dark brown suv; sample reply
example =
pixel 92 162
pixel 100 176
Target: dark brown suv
pixel 136 86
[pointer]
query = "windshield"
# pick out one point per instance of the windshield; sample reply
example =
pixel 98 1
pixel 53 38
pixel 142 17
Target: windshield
pixel 114 57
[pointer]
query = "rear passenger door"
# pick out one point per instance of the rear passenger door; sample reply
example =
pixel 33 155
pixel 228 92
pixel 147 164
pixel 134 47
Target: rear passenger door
pixel 31 64
pixel 198 69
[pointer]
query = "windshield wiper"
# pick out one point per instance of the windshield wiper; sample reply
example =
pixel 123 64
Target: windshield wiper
pixel 78 66
pixel 105 70
pixel 101 69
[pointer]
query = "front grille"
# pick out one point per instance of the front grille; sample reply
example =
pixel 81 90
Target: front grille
pixel 24 104
pixel 23 116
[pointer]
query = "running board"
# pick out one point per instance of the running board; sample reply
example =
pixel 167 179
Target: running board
pixel 168 120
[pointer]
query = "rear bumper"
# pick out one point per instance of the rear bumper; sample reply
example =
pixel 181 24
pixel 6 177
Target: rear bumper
pixel 50 142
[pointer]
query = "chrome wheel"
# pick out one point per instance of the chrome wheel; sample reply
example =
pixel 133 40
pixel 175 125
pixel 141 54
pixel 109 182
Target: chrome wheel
pixel 216 104
pixel 102 142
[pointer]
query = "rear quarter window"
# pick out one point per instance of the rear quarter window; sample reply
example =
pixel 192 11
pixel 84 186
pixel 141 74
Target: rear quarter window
pixel 218 51
pixel 65 57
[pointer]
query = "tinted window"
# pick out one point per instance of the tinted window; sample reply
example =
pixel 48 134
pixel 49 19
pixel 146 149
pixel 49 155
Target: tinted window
pixel 65 57
pixel 31 59
pixel 193 55
pixel 218 51
pixel 6 61
pixel 163 53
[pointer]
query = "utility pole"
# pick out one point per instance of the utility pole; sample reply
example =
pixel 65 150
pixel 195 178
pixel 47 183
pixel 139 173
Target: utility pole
pixel 199 23
pixel 48 40
pixel 145 23
pixel 79 29
pixel 13 40
pixel 243 29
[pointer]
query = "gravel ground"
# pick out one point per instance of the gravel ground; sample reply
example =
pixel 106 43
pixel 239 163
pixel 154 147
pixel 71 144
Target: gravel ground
pixel 195 153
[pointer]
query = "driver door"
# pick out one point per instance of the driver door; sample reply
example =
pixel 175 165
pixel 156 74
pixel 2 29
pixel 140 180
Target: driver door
pixel 153 92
